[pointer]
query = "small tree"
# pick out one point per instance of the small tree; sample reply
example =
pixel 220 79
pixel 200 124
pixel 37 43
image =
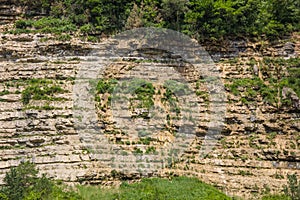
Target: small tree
pixel 135 19
pixel 21 180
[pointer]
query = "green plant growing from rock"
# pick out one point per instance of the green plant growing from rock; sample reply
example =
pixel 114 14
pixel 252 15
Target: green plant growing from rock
pixel 145 94
pixel 141 97
pixel 271 86
pixel 138 151
pixel 292 190
pixel 249 88
pixel 106 86
pixel 102 87
pixel 41 89
pixel 150 150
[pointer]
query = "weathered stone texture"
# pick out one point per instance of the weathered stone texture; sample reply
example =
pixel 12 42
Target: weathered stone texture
pixel 245 160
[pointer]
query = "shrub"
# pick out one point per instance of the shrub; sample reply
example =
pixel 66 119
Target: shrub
pixel 85 29
pixel 252 87
pixel 45 25
pixel 22 180
pixel 106 85
pixel 23 24
pixel 293 188
pixel 41 89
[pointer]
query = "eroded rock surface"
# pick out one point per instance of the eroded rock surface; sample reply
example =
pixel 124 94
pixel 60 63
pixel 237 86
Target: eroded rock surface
pixel 260 142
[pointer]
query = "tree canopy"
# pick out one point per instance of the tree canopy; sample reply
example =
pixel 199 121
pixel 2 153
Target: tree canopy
pixel 201 19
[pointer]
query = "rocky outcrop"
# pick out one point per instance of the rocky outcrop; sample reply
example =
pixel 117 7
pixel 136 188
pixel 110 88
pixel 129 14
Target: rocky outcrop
pixel 9 11
pixel 259 145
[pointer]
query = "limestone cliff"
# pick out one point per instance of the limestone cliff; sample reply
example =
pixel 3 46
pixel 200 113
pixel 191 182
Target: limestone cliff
pixel 258 148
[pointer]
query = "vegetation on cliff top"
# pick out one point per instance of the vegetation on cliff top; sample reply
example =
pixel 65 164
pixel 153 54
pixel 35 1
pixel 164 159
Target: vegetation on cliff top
pixel 209 19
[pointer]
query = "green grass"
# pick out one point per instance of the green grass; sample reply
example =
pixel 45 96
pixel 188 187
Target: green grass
pixel 178 188
pixel 23 182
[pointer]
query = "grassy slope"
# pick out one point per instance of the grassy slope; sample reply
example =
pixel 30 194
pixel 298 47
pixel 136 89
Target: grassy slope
pixel 181 188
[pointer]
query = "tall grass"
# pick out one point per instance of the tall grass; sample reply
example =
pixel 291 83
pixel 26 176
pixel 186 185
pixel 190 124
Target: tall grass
pixel 178 188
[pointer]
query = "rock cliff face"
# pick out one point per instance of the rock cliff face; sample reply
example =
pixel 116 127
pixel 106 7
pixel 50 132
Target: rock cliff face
pixel 9 11
pixel 259 145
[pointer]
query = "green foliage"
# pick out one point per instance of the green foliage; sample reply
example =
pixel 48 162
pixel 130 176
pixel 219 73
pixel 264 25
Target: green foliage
pixel 292 190
pixel 174 89
pixel 64 37
pixel 92 39
pixel 177 188
pixel 293 80
pixel 107 16
pixel 150 150
pixel 275 197
pixel 138 151
pixel 142 94
pixel 40 89
pixel 22 180
pixel 3 196
pixel 209 19
pixel 37 7
pixel 251 87
pixel 4 92
pixel 182 188
pixel 87 28
pixel 270 88
pixel 278 80
pixel 173 12
pixel 217 18
pixel 286 12
pixel 23 24
pixel 177 88
pixel 46 25
pixel 18 180
pixel 106 86
pixel 145 140
pixel 96 193
pixel 63 192
pixel 146 14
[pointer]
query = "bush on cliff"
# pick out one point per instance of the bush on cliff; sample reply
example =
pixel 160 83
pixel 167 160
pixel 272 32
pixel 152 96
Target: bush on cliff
pixel 22 179
pixel 23 182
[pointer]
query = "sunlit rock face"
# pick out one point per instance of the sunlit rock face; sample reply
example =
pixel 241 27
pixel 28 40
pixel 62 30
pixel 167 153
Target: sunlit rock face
pixel 259 144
